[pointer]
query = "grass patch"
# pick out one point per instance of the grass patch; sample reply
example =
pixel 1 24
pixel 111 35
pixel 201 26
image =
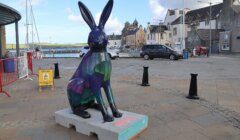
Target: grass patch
pixel 46 45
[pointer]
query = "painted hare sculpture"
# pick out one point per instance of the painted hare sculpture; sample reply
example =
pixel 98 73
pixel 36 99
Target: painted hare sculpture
pixel 94 71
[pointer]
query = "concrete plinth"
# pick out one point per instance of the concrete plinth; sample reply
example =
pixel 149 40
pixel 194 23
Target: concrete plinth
pixel 127 127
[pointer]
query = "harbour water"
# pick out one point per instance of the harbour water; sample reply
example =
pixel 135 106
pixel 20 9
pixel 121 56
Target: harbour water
pixel 61 55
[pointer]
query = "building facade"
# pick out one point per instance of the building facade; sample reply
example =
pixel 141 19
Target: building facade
pixel 114 41
pixel 174 32
pixel 229 20
pixel 197 27
pixel 133 35
pixel 158 34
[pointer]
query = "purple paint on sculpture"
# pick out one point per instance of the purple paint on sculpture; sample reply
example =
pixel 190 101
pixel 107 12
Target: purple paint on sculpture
pixel 94 70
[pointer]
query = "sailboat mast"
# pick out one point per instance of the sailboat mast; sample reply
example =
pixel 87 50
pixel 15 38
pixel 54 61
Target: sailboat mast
pixel 27 38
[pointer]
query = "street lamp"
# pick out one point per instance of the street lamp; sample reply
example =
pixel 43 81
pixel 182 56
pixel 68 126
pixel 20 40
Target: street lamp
pixel 183 33
pixel 210 24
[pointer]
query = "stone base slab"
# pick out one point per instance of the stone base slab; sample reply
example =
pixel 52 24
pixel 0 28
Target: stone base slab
pixel 127 127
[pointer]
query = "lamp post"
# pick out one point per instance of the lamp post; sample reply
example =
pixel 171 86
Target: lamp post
pixel 210 24
pixel 184 32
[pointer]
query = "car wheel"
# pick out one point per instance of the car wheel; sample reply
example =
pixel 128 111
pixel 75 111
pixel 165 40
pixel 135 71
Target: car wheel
pixel 110 56
pixel 113 58
pixel 146 57
pixel 172 57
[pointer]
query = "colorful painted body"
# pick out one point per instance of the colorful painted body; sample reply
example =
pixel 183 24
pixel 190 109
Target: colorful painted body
pixel 94 71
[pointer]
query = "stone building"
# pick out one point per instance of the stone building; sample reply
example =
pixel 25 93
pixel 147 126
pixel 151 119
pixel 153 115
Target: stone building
pixel 229 20
pixel 133 35
pixel 197 27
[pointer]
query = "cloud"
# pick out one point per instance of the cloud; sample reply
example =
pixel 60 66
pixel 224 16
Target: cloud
pixel 158 10
pixel 113 25
pixel 74 17
pixel 160 7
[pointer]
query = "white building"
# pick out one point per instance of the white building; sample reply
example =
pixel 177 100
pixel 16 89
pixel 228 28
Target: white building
pixel 114 41
pixel 197 26
pixel 158 34
pixel 175 32
pixel 172 15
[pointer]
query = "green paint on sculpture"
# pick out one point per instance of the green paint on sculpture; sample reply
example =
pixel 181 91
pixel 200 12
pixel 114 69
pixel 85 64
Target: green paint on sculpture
pixel 105 69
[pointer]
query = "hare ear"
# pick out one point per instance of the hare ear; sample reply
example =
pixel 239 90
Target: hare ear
pixel 86 14
pixel 106 13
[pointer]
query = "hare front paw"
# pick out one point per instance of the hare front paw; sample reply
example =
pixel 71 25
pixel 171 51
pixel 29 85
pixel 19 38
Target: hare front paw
pixel 108 118
pixel 117 114
pixel 82 113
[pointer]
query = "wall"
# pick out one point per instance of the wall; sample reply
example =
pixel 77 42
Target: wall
pixel 130 40
pixel 202 25
pixel 140 38
pixel 177 38
pixel 230 21
pixel 114 43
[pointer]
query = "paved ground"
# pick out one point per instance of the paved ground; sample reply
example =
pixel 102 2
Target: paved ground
pixel 30 114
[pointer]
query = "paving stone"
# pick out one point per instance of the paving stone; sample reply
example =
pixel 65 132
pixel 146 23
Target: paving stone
pixel 199 111
pixel 209 119
pixel 218 85
pixel 221 132
pixel 183 126
pixel 191 135
pixel 171 116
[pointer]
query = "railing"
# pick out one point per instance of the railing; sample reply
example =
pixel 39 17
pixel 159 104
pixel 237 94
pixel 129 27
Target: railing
pixel 13 69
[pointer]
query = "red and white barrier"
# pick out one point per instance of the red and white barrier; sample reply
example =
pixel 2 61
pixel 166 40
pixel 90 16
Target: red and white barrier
pixel 13 69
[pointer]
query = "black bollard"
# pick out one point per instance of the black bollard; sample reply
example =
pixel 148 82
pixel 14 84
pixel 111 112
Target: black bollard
pixel 145 77
pixel 56 71
pixel 193 88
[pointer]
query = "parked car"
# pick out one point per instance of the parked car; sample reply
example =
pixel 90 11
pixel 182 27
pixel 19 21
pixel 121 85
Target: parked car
pixel 159 51
pixel 84 50
pixel 113 53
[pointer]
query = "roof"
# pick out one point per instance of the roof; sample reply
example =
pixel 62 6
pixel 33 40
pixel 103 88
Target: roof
pixel 8 15
pixel 114 37
pixel 157 28
pixel 200 14
pixel 132 32
pixel 204 34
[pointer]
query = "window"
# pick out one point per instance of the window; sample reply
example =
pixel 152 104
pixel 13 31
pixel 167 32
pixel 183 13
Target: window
pixel 206 22
pixel 170 35
pixel 225 47
pixel 158 47
pixel 161 36
pixel 174 31
pixel 171 12
pixel 181 12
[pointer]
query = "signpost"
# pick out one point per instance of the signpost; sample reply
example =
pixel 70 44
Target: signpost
pixel 45 78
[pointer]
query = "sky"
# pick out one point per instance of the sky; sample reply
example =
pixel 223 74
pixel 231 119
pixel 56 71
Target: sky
pixel 60 21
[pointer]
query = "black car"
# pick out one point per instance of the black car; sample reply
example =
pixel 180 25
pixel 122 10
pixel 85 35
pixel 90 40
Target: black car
pixel 159 51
